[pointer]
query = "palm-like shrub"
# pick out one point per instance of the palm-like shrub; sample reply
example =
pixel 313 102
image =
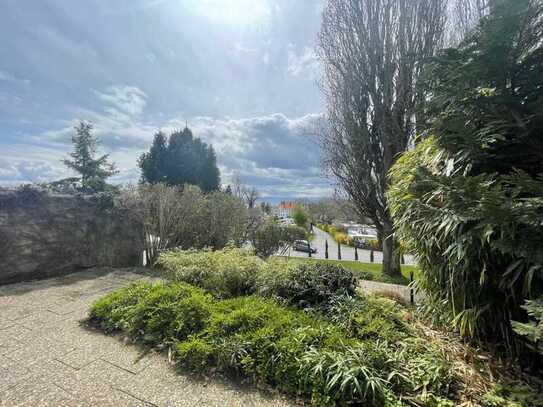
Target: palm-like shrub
pixel 469 200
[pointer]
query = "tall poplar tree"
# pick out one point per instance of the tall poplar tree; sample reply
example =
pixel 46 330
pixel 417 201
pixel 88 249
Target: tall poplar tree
pixel 373 52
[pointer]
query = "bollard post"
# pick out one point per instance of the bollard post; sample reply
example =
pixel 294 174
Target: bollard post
pixel 371 256
pixel 402 259
pixel 326 249
pixel 356 253
pixel 411 292
pixel 339 251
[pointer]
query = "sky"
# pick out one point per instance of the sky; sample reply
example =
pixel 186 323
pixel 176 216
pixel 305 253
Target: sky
pixel 242 73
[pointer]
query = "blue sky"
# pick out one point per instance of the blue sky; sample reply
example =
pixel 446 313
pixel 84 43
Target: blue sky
pixel 242 73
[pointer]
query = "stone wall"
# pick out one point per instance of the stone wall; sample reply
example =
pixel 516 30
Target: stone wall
pixel 42 235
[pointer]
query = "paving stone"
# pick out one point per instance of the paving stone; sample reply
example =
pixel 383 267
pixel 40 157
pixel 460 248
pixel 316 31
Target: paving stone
pixel 81 357
pixel 258 399
pixel 36 392
pixel 15 334
pixel 160 385
pixel 102 371
pixel 76 335
pixel 16 312
pixel 84 387
pixel 11 373
pixel 40 320
pixel 218 394
pixel 38 348
pixel 4 323
pixel 127 357
pixel 65 306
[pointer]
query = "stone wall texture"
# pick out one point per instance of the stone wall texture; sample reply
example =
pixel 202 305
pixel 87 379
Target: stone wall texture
pixel 43 235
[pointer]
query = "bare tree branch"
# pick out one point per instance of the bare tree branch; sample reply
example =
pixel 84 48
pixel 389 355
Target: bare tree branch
pixel 373 52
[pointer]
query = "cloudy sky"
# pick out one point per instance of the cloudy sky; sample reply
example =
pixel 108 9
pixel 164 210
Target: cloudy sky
pixel 242 73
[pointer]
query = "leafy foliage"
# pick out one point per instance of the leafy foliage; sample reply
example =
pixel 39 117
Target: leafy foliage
pixel 306 285
pixel 93 171
pixel 469 199
pixel 300 216
pixel 182 159
pixel 512 395
pixel 270 238
pixel 307 354
pixel 225 273
pixel 232 272
pixel 532 330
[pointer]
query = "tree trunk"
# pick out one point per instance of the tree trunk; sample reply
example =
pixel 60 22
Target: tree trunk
pixel 391 253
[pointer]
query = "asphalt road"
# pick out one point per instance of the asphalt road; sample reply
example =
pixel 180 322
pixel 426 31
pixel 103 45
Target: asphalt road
pixel 347 253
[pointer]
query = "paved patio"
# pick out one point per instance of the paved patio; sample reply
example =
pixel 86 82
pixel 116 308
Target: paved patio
pixel 48 359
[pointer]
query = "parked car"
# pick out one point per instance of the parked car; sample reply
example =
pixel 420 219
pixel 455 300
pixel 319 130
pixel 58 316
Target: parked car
pixel 303 246
pixel 366 242
pixel 287 222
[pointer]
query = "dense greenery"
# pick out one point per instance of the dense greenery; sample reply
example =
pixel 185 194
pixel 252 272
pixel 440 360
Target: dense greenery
pixel 533 329
pixel 181 159
pixel 301 328
pixel 225 273
pixel 93 171
pixel 469 199
pixel 233 272
pixel 361 352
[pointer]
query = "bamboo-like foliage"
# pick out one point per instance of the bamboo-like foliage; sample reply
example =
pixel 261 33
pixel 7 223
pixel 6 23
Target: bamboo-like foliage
pixel 469 199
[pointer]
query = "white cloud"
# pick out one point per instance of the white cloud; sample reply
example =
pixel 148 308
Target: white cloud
pixel 305 62
pixel 275 153
pixel 127 99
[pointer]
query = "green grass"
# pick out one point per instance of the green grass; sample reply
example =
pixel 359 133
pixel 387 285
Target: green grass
pixel 375 269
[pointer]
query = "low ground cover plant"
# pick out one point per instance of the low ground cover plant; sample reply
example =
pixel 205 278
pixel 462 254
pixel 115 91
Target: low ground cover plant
pixel 367 355
pixel 299 327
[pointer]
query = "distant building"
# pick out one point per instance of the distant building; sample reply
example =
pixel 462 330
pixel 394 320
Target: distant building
pixel 284 209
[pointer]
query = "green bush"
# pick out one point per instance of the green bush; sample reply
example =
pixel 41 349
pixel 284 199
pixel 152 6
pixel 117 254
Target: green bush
pixel 300 216
pixel 513 395
pixel 153 314
pixel 369 318
pixel 233 272
pixel 225 273
pixel 343 238
pixel 330 358
pixel 533 329
pixel 307 285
